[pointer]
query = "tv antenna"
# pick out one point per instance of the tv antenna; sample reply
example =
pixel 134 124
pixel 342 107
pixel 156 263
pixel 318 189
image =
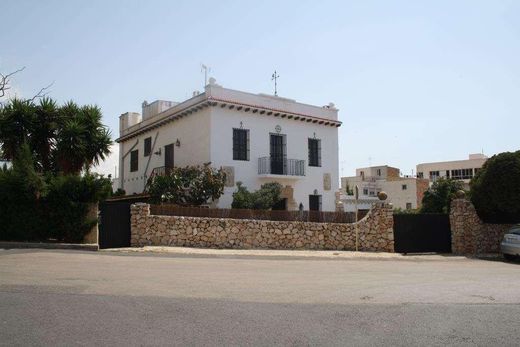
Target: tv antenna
pixel 206 69
pixel 274 78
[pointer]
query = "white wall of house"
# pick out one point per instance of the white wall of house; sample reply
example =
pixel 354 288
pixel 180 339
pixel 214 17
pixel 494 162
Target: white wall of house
pixel 193 133
pixel 297 133
pixel 401 193
pixel 206 135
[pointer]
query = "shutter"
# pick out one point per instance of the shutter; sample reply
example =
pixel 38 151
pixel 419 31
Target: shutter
pixel 247 145
pixel 235 144
pixel 319 152
pixel 309 148
pixel 284 151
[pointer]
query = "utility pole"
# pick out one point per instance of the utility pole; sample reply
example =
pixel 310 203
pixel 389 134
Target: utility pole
pixel 274 78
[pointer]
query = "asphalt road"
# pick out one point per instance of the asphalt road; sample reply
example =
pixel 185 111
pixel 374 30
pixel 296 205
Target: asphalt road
pixel 86 298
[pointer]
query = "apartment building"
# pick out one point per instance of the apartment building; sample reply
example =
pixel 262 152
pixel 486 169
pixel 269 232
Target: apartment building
pixel 463 170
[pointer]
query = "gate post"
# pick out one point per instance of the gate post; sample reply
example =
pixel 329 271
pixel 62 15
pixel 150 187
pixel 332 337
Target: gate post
pixel 138 213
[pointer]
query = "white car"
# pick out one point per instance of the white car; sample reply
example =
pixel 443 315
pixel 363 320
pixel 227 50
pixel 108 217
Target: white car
pixel 510 245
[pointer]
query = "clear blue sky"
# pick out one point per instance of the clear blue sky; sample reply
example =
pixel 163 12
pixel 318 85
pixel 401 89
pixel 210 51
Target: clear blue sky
pixel 415 81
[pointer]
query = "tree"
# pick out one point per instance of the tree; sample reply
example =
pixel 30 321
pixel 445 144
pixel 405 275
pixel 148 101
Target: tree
pixel 16 123
pixel 66 139
pixel 495 189
pixel 191 185
pixel 437 198
pixel 262 199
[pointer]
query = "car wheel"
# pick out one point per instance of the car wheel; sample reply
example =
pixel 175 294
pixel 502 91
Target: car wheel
pixel 509 257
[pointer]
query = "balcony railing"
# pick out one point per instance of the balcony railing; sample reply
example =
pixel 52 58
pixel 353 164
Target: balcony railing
pixel 286 167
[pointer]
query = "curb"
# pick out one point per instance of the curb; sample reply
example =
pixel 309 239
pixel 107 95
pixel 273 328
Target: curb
pixel 43 245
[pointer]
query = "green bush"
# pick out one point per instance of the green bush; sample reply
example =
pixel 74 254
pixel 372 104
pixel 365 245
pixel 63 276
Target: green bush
pixel 67 204
pixel 20 186
pixel 191 185
pixel 262 199
pixel 437 199
pixel 37 209
pixel 495 189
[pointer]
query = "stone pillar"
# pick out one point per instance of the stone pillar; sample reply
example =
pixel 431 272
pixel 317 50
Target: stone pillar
pixel 92 235
pixel 138 214
pixel 465 227
pixel 377 228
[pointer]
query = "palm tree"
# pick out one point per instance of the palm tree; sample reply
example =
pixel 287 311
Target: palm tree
pixel 16 122
pixel 44 132
pixel 82 139
pixel 97 136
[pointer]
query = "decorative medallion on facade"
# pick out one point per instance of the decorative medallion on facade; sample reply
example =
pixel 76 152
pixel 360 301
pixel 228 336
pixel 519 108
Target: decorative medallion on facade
pixel 326 181
pixel 278 129
pixel 230 176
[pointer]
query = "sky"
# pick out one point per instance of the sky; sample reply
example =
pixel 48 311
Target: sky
pixel 415 81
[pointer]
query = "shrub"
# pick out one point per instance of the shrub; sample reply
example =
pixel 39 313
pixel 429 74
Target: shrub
pixel 437 199
pixel 191 185
pixel 20 186
pixel 495 189
pixel 262 199
pixel 67 203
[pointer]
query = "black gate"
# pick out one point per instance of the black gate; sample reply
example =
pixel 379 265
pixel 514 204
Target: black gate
pixel 416 233
pixel 114 226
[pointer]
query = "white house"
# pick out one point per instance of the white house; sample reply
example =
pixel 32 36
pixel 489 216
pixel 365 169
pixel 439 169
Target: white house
pixel 255 138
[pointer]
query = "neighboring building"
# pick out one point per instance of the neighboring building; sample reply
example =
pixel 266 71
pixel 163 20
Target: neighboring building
pixel 255 138
pixel 403 192
pixel 463 170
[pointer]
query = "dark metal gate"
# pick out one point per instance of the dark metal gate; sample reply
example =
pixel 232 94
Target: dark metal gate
pixel 416 233
pixel 114 226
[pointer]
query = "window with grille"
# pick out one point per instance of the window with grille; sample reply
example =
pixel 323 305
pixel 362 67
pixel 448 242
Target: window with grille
pixel 314 152
pixel 134 160
pixel 147 146
pixel 240 144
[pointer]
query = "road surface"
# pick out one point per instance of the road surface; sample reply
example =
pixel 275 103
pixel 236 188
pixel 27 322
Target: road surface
pixel 100 298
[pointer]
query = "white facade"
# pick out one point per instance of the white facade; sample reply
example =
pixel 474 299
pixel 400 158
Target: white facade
pixel 201 129
pixel 462 170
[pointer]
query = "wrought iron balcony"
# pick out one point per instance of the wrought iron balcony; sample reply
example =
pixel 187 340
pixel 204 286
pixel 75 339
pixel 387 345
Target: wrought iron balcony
pixel 282 166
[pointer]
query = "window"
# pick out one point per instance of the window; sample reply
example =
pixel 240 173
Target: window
pixel 134 161
pixel 314 152
pixel 420 175
pixel 379 172
pixel 240 144
pixel 408 205
pixel 447 173
pixel 404 187
pixel 147 146
pixel 434 175
pixel 462 174
pixel 365 191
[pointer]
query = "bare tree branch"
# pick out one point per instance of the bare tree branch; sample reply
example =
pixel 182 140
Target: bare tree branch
pixel 4 81
pixel 43 92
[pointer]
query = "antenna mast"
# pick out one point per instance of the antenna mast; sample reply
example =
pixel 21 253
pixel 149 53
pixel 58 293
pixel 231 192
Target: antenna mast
pixel 274 78
pixel 206 69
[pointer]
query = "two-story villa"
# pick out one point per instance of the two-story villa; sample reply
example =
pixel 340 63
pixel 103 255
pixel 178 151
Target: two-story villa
pixel 255 138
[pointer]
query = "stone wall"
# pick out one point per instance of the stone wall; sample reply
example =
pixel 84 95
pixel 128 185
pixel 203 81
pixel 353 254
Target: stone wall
pixel 375 232
pixel 469 235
